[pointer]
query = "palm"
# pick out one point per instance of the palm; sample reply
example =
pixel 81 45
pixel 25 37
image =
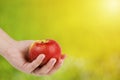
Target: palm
pixel 18 58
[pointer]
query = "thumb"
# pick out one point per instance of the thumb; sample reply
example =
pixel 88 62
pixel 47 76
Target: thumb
pixel 24 45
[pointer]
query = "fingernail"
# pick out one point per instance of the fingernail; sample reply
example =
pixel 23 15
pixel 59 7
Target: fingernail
pixel 53 60
pixel 42 55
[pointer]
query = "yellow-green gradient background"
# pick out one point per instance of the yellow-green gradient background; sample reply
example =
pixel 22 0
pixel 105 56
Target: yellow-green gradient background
pixel 87 30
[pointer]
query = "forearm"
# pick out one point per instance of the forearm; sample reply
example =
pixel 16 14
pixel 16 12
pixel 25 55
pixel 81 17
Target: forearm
pixel 5 36
pixel 6 42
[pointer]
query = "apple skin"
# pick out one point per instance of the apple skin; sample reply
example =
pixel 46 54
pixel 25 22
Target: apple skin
pixel 49 47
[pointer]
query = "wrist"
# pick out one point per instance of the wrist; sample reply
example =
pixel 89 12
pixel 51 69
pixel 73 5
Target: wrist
pixel 6 42
pixel 6 47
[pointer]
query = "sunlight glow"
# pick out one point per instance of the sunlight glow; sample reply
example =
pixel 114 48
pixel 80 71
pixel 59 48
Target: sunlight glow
pixel 112 6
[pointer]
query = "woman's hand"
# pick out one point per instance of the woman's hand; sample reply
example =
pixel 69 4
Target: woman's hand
pixel 16 51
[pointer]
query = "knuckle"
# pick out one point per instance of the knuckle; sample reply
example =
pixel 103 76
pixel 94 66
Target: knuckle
pixel 48 67
pixel 32 66
pixel 37 62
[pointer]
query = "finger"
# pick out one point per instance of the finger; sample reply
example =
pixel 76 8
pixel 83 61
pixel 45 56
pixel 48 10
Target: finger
pixel 57 66
pixel 45 69
pixel 63 56
pixel 36 62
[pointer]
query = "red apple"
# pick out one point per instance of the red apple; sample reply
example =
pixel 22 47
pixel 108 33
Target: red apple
pixel 50 48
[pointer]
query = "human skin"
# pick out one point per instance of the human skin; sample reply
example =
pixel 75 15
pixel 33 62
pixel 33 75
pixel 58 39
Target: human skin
pixel 15 52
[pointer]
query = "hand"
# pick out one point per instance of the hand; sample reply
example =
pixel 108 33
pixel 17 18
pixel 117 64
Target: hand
pixel 16 55
pixel 15 52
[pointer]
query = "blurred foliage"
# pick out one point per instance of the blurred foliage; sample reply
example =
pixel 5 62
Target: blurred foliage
pixel 88 31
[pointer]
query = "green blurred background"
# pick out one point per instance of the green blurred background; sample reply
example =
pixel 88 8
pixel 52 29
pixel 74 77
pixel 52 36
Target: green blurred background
pixel 87 30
